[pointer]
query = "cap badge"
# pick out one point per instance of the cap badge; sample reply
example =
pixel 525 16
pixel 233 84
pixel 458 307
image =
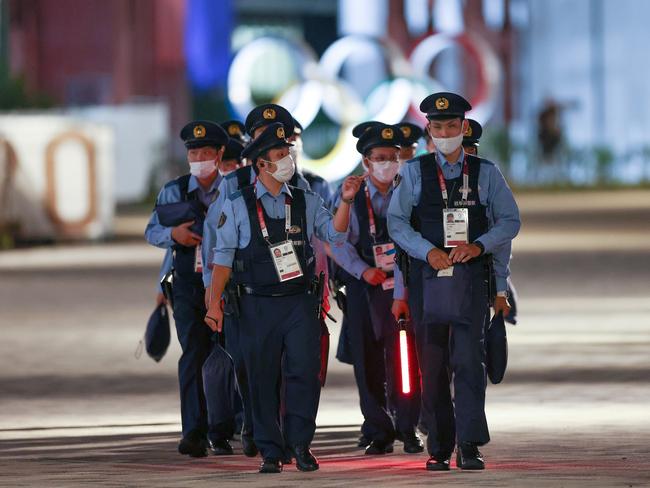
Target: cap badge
pixel 199 131
pixel 234 130
pixel 387 133
pixel 269 114
pixel 442 103
pixel 406 130
pixel 280 132
pixel 468 132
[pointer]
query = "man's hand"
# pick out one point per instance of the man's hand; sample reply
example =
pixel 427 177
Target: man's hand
pixel 438 259
pixel 400 309
pixel 160 299
pixel 184 236
pixel 501 305
pixel 214 316
pixel 464 253
pixel 351 186
pixel 374 276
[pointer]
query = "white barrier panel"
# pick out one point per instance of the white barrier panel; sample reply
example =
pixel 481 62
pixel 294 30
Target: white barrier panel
pixel 56 176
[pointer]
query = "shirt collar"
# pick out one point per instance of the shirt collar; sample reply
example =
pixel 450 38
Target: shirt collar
pixel 442 160
pixel 194 184
pixel 260 190
pixel 373 190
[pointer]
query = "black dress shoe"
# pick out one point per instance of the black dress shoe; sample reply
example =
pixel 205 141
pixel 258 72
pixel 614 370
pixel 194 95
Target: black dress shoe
pixel 271 465
pixel 438 463
pixel 305 460
pixel 379 447
pixel 469 457
pixel 363 442
pixel 248 446
pixel 193 446
pixel 412 443
pixel 287 459
pixel 221 447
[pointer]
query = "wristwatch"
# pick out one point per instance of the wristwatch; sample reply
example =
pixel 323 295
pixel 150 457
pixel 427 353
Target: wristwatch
pixel 503 294
pixel 480 245
pixel 349 201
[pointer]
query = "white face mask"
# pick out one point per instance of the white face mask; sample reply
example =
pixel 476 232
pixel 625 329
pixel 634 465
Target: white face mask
pixel 225 173
pixel 385 172
pixel 202 169
pixel 296 150
pixel 285 169
pixel 447 145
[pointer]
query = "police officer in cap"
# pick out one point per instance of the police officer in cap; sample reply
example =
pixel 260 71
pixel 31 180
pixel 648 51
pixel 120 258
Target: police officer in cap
pixel 235 130
pixel 501 257
pixel 448 290
pixel 205 142
pixel 368 257
pixel 278 307
pixel 411 134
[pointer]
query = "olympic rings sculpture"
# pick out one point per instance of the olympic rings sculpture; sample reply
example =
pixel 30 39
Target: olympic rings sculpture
pixel 319 86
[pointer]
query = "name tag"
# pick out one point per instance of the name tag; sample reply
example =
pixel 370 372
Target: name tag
pixel 443 273
pixel 456 225
pixel 384 255
pixel 285 260
pixel 198 260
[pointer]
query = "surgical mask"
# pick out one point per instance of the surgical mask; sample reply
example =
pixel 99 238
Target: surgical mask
pixel 447 145
pixel 285 169
pixel 202 169
pixel 296 150
pixel 385 171
pixel 225 173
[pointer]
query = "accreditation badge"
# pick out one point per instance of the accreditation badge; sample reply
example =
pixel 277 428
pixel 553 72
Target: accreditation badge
pixel 456 225
pixel 198 260
pixel 286 261
pixel 384 255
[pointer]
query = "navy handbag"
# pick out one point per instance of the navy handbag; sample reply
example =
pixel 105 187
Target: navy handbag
pixel 173 214
pixel 447 299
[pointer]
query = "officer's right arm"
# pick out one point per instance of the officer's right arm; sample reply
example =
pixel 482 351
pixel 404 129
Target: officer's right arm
pixel 227 238
pixel 157 234
pixel 399 215
pixel 501 262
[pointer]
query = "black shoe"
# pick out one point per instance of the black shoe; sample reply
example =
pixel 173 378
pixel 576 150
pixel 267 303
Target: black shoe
pixel 379 447
pixel 305 460
pixel 271 465
pixel 221 448
pixel 248 446
pixel 438 463
pixel 469 457
pixel 412 443
pixel 193 446
pixel 363 442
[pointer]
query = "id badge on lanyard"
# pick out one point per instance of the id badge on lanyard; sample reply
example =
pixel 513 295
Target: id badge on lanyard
pixel 383 254
pixel 455 221
pixel 283 253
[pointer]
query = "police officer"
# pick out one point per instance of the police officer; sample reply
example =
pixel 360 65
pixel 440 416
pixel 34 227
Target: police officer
pixel 449 260
pixel 205 142
pixel 278 314
pixel 502 256
pixel 368 257
pixel 235 130
pixel 256 121
pixel 411 135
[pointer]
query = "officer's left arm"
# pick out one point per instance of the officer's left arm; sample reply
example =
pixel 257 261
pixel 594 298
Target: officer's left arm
pixel 503 211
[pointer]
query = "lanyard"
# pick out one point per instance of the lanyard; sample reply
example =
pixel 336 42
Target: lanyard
pixel 287 216
pixel 371 214
pixel 443 184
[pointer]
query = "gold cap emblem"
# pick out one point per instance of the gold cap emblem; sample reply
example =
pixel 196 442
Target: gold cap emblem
pixel 269 114
pixel 387 133
pixel 280 132
pixel 442 103
pixel 234 130
pixel 199 131
pixel 468 131
pixel 406 130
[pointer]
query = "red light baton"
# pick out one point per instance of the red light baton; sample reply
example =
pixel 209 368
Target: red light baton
pixel 404 357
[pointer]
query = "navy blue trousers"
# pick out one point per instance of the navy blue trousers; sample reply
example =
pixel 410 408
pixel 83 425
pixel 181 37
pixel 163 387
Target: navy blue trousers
pixel 233 347
pixel 280 341
pixel 194 338
pixel 452 353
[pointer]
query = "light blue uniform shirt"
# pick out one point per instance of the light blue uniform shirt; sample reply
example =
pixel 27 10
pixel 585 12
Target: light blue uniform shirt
pixel 494 193
pixel 346 255
pixel 227 187
pixel 235 233
pixel 160 236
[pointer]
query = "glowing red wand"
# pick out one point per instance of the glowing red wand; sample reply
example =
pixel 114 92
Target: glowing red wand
pixel 404 357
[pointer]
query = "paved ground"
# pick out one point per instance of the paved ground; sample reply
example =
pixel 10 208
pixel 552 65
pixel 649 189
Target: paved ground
pixel 77 408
